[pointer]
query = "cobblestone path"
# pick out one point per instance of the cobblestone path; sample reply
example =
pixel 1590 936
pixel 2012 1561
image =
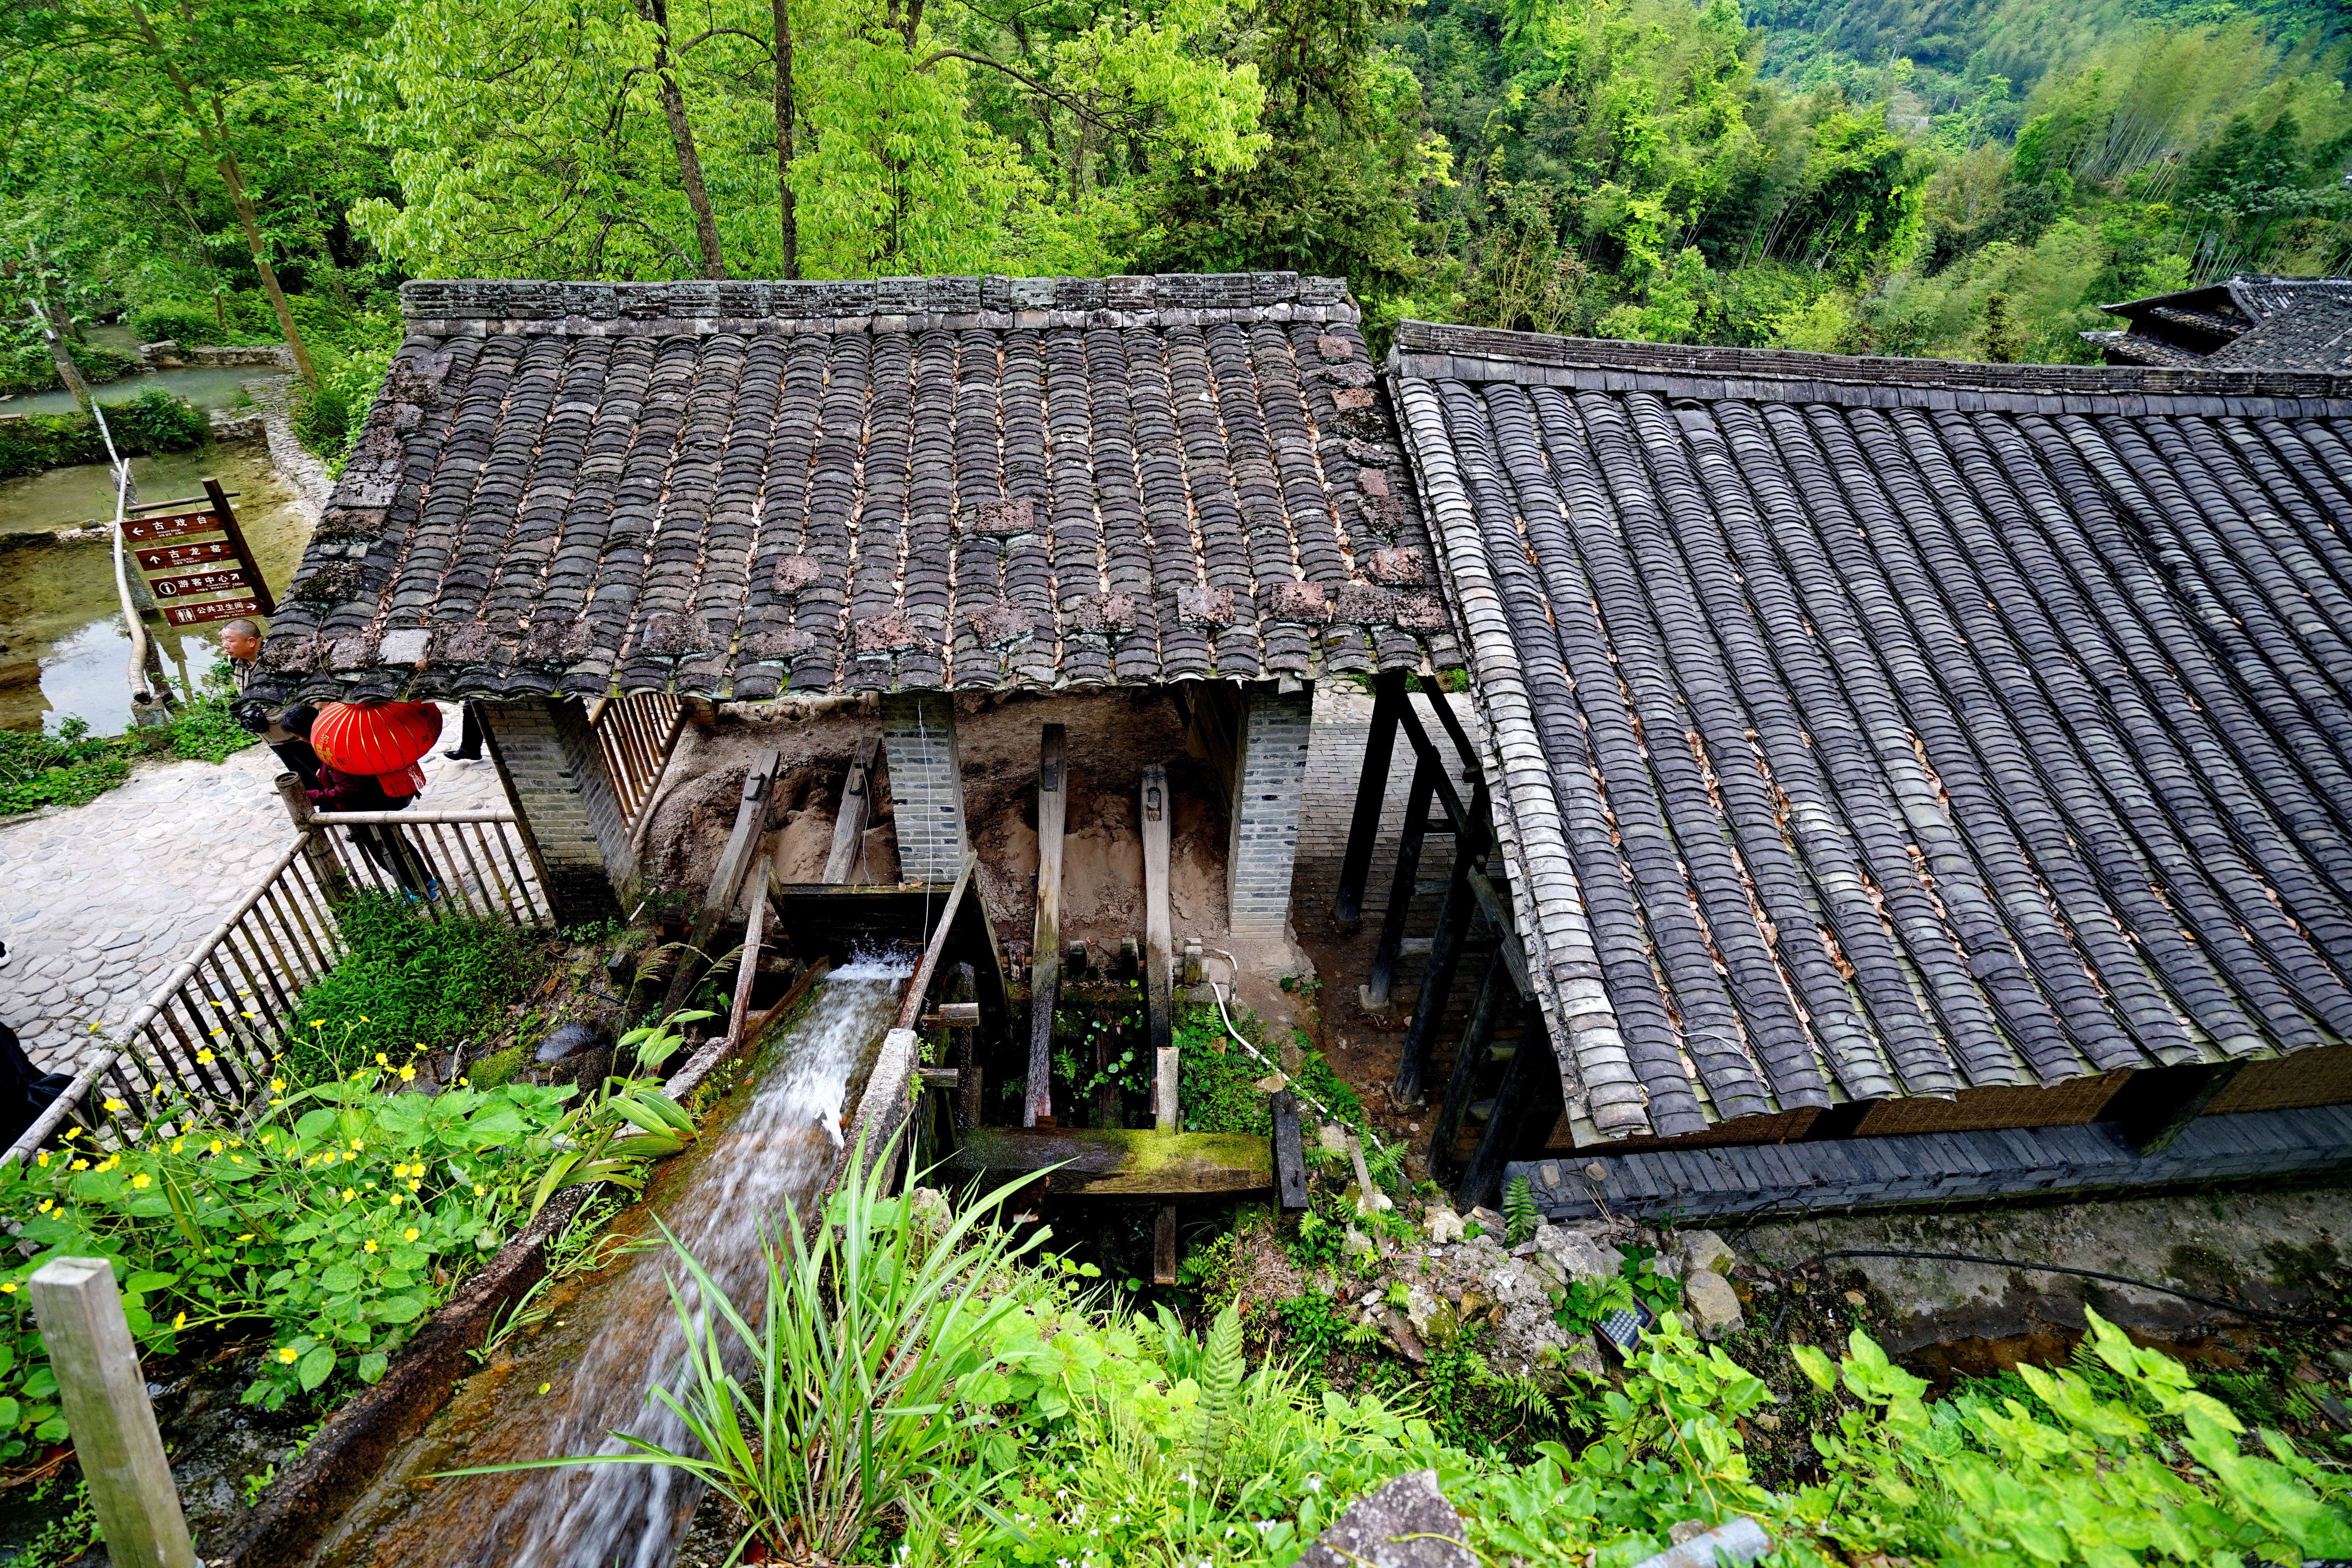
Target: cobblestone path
pixel 97 902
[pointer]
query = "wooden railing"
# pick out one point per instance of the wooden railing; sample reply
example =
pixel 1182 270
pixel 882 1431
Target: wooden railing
pixel 203 1045
pixel 637 735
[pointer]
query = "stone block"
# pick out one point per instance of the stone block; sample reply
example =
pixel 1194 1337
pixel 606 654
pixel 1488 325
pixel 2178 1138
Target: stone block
pixel 1407 1523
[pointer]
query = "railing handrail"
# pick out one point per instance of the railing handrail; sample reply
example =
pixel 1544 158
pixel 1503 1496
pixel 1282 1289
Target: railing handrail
pixel 419 818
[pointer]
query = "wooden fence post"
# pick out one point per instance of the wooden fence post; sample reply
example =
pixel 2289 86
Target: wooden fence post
pixel 315 847
pixel 104 1392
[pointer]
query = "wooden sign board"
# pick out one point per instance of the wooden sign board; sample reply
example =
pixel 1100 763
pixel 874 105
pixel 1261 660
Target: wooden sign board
pixel 196 563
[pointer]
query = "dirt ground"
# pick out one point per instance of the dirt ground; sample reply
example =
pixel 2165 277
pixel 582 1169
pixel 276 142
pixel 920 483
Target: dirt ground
pixel 1112 737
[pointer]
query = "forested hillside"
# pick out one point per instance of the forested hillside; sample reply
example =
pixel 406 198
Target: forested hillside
pixel 1965 178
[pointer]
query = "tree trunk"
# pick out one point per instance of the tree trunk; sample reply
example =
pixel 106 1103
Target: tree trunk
pixel 681 135
pixel 56 326
pixel 785 201
pixel 213 134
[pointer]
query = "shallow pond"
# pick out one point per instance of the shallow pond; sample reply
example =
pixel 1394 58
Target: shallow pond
pixel 63 648
pixel 210 386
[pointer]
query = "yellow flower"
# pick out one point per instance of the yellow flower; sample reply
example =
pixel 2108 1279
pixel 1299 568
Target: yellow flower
pixel 363 1018
pixel 480 1191
pixel 246 1237
pixel 411 1234
pixel 276 1086
pixel 143 1180
pixel 329 1158
pixel 180 1323
pixel 48 1204
pixel 203 1056
pixel 81 1165
pixel 73 1131
pixel 349 1195
pixel 413 1184
pixel 116 1105
pixel 7 1289
pixel 465 1083
pixel 357 1145
pixel 42 1160
pixel 218 1145
pixel 395 1200
pixel 237 1159
pixel 175 1144
pixel 381 1060
pixel 286 1354
pixel 367 1246
pixel 318 1022
pixel 408 1074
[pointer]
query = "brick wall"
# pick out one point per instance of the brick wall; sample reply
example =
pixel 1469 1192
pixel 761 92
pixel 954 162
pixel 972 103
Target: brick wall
pixel 1269 784
pixel 556 780
pixel 925 784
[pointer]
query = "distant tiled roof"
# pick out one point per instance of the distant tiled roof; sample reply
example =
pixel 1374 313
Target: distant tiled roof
pixel 2314 335
pixel 2262 295
pixel 1893 727
pixel 2137 349
pixel 730 489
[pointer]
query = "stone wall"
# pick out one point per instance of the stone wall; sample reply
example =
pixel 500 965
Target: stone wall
pixel 926 784
pixel 1269 783
pixel 169 355
pixel 556 778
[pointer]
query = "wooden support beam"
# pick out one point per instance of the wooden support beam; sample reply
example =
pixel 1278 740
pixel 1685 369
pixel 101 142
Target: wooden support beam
pixel 1163 1247
pixel 113 1422
pixel 1122 1163
pixel 1436 692
pixel 1159 943
pixel 849 822
pixel 1045 945
pixel 2155 1105
pixel 1371 795
pixel 1289 1155
pixel 735 861
pixel 1382 980
pixel 1437 980
pixel 1517 1101
pixel 1164 1112
pixel 1478 1031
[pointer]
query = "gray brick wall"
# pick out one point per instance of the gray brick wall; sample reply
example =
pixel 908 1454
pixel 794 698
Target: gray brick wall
pixel 925 784
pixel 556 780
pixel 1269 786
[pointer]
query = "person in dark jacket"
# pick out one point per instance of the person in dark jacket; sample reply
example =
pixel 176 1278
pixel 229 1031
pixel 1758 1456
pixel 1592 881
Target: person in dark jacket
pixel 25 1090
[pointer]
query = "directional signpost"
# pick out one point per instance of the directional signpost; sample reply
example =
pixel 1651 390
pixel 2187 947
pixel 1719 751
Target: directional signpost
pixel 195 561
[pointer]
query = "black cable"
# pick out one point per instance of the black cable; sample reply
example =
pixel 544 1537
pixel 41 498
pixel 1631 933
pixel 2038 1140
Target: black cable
pixel 2083 1273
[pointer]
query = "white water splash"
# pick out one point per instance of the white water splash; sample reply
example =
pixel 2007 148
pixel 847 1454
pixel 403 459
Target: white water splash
pixel 600 1516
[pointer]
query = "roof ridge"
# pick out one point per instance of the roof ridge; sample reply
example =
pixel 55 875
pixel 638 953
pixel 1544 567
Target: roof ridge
pixel 432 300
pixel 1427 348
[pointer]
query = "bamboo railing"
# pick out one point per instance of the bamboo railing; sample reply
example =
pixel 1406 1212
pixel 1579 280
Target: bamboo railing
pixel 637 735
pixel 203 1043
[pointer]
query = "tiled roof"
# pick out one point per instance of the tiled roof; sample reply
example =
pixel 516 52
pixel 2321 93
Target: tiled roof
pixel 2262 295
pixel 2316 335
pixel 2140 349
pixel 1877 727
pixel 730 489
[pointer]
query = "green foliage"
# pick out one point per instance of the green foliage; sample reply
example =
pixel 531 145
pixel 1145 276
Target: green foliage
pixel 156 421
pixel 1580 1307
pixel 190 326
pixel 408 983
pixel 1519 1210
pixel 27 365
pixel 37 441
pixel 70 766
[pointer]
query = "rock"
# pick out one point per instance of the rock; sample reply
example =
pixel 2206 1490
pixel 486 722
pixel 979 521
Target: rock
pixel 1494 1225
pixel 1441 1223
pixel 1576 1255
pixel 1686 1530
pixel 1356 1242
pixel 1742 1541
pixel 1407 1343
pixel 570 1039
pixel 1332 1137
pixel 1697 1249
pixel 1709 1304
pixel 1513 1282
pixel 1407 1523
pixel 1420 1307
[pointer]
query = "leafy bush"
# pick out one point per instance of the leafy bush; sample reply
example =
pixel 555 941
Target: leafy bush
pixel 156 421
pixel 186 324
pixel 26 365
pixel 70 766
pixel 406 983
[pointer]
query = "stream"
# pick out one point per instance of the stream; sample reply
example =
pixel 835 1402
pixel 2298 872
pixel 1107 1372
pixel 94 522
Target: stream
pixel 63 648
pixel 560 1388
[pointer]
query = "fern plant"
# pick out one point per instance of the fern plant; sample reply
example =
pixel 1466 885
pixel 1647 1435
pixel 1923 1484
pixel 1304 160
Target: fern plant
pixel 1222 1370
pixel 1519 1211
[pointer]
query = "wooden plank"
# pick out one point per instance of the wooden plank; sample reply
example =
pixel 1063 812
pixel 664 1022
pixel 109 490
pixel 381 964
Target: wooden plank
pixel 1163 1247
pixel 1478 1031
pixel 1372 796
pixel 1289 1158
pixel 849 822
pixel 727 878
pixel 1164 1078
pixel 1121 1161
pixel 1045 943
pixel 920 987
pixel 1159 941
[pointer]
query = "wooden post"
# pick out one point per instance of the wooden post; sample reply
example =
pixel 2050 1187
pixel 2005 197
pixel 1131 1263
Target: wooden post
pixel 1163 1247
pixel 1290 1156
pixel 104 1393
pixel 262 600
pixel 1375 993
pixel 727 878
pixel 1477 1032
pixel 1437 980
pixel 1045 943
pixel 849 823
pixel 1166 1116
pixel 1372 794
pixel 1159 941
pixel 1515 1102
pixel 316 852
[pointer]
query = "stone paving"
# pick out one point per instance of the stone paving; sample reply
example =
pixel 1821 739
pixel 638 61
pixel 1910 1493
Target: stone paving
pixel 97 902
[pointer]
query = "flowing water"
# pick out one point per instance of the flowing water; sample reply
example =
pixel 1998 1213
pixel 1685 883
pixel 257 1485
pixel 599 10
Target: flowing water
pixel 63 650
pixel 584 1374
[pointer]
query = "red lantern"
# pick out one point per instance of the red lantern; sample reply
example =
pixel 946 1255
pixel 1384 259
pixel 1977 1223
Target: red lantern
pixel 374 737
